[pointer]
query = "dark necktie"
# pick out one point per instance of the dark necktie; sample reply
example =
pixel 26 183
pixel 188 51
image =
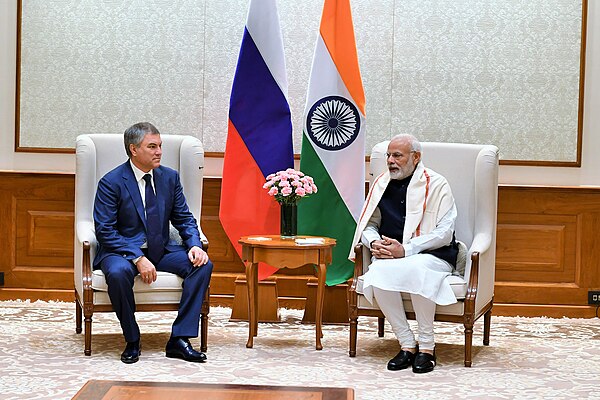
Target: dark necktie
pixel 153 230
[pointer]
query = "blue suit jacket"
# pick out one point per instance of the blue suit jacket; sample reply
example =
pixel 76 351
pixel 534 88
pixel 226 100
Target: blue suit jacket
pixel 120 219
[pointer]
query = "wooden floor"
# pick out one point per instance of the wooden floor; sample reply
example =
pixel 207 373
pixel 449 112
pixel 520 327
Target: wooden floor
pixel 104 390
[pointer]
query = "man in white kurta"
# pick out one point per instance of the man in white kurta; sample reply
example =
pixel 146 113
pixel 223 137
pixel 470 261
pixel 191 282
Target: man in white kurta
pixel 408 224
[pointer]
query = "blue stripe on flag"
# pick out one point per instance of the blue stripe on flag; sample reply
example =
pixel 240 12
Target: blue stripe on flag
pixel 260 112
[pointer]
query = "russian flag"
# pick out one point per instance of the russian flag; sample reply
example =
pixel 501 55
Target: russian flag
pixel 259 136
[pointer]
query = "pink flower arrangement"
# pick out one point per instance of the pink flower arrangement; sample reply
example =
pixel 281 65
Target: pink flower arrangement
pixel 289 186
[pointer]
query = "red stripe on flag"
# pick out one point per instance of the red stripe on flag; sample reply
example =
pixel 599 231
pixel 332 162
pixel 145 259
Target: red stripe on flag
pixel 245 208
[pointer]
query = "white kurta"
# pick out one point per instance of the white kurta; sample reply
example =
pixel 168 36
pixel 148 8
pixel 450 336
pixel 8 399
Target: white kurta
pixel 430 218
pixel 422 274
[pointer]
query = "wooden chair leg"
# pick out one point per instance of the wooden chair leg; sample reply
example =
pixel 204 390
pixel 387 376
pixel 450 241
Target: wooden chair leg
pixel 78 316
pixel 88 336
pixel 487 323
pixel 204 321
pixel 353 335
pixel 88 311
pixel 203 332
pixel 468 344
pixel 380 326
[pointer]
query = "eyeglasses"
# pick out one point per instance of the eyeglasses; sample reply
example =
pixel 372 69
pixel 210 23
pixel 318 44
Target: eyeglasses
pixel 397 155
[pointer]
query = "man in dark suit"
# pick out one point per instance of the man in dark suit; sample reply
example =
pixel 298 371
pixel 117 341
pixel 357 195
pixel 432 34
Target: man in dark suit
pixel 133 207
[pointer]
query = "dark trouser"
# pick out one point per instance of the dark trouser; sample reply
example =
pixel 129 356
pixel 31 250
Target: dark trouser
pixel 119 274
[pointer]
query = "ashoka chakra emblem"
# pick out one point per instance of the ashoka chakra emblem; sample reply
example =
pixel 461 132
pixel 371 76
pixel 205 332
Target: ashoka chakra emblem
pixel 333 123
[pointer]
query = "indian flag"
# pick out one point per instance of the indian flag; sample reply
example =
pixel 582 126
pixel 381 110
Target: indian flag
pixel 333 141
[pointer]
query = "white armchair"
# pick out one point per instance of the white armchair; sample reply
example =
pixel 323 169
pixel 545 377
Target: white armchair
pixel 97 154
pixel 472 171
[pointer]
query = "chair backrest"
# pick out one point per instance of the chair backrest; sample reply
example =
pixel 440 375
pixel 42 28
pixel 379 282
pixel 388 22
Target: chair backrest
pixel 472 172
pixel 97 154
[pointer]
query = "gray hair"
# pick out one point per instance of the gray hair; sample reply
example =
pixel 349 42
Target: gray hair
pixel 135 134
pixel 415 145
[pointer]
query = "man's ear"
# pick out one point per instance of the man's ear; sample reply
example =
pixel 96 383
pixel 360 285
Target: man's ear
pixel 132 149
pixel 417 157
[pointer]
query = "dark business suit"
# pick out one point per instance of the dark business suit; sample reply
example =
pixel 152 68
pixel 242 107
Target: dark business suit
pixel 120 223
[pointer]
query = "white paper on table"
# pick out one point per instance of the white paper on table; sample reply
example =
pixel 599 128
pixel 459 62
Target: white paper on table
pixel 310 241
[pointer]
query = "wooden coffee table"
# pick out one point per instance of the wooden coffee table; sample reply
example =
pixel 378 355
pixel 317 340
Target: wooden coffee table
pixel 114 390
pixel 284 253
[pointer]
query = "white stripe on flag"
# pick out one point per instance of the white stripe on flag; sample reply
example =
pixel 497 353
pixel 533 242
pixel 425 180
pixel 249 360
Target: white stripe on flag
pixel 263 26
pixel 344 166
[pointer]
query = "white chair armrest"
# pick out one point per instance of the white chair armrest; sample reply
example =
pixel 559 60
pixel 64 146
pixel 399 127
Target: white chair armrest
pixel 366 253
pixel 85 232
pixel 203 238
pixel 481 243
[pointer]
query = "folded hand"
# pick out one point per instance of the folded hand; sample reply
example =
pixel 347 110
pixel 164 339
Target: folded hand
pixel 387 248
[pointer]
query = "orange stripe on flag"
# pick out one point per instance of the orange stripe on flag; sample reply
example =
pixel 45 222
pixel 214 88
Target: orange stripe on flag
pixel 338 34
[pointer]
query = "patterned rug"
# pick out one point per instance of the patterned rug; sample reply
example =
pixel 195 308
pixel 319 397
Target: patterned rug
pixel 41 356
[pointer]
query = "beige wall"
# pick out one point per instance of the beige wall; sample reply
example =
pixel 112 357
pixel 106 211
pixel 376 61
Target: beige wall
pixel 586 175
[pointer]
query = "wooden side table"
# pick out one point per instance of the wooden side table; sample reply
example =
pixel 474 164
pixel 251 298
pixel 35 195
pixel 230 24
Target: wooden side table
pixel 284 253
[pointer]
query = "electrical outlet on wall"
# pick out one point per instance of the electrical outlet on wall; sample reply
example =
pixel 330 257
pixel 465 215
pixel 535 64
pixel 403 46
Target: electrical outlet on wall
pixel 594 297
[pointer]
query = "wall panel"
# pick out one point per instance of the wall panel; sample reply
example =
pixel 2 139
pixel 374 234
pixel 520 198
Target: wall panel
pixel 37 230
pixel 548 255
pixel 547 252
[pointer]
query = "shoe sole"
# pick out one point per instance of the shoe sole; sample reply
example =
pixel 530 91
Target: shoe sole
pixel 390 368
pixel 179 356
pixel 422 371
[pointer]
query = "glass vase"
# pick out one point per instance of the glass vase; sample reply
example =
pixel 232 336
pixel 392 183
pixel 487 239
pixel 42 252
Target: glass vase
pixel 288 227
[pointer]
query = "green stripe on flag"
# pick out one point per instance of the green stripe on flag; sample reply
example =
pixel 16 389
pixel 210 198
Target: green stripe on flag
pixel 326 214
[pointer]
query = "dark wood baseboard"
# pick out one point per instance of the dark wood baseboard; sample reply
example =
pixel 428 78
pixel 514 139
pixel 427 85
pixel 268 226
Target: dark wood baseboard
pixel 37 294
pixel 544 310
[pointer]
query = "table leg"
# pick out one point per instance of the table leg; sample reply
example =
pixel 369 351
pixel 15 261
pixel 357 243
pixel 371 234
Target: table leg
pixel 255 285
pixel 252 295
pixel 321 276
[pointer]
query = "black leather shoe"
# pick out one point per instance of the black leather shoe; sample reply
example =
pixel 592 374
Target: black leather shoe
pixel 182 348
pixel 403 360
pixel 132 352
pixel 424 362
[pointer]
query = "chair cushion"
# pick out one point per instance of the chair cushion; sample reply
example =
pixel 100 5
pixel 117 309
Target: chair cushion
pixel 153 297
pixel 457 283
pixel 165 281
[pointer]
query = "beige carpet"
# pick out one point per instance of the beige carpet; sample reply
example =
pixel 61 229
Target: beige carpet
pixel 41 357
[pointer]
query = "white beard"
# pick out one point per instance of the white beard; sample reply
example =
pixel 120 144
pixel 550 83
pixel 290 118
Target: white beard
pixel 402 173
